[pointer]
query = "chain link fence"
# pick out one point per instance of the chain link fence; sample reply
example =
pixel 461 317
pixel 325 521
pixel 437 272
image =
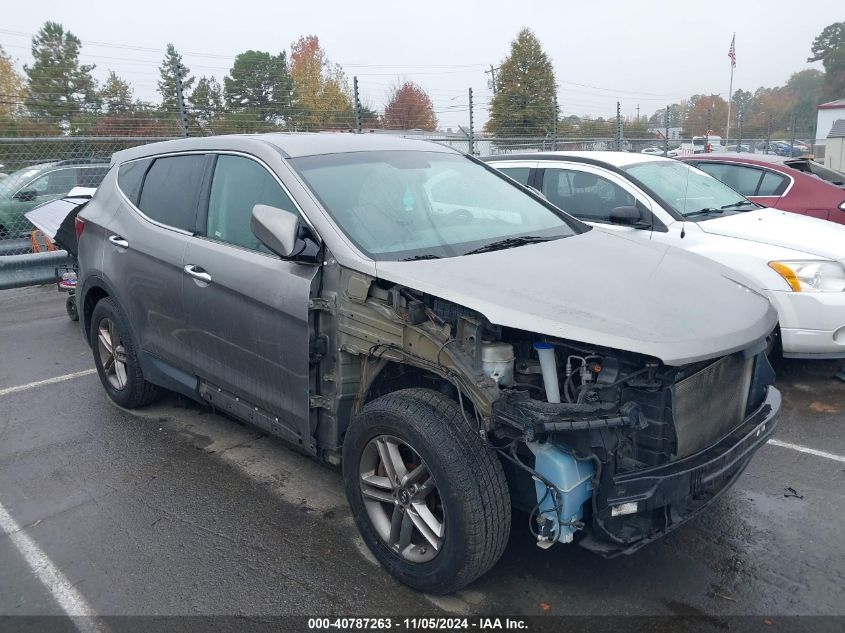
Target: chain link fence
pixel 39 169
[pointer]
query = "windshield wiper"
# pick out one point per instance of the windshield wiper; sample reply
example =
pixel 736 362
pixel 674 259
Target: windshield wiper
pixel 419 257
pixel 704 211
pixel 736 204
pixel 509 242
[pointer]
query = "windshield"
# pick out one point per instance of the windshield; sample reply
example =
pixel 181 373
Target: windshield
pixel 400 205
pixel 686 190
pixel 10 184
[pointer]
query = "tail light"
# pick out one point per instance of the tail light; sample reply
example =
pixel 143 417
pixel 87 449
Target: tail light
pixel 78 227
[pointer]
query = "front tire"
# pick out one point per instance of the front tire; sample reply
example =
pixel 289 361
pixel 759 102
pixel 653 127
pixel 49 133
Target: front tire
pixel 428 494
pixel 116 359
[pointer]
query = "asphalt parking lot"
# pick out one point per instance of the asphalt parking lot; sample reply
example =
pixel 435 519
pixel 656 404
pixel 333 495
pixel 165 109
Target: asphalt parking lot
pixel 174 510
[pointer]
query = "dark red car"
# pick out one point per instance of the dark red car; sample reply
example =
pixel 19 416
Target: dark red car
pixel 799 185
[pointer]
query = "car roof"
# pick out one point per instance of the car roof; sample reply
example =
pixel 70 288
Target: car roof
pixel 745 157
pixel 615 159
pixel 290 145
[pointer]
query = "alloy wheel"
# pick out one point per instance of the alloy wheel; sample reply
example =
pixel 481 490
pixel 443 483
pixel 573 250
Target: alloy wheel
pixel 402 499
pixel 112 353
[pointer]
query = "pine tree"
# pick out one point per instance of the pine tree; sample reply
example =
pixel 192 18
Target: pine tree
pixel 59 87
pixel 167 81
pixel 116 95
pixel 524 104
pixel 260 83
pixel 206 101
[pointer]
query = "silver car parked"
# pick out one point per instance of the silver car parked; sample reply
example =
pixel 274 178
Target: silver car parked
pixel 457 343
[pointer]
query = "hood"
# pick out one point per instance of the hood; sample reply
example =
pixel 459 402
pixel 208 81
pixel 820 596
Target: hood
pixel 602 289
pixel 781 228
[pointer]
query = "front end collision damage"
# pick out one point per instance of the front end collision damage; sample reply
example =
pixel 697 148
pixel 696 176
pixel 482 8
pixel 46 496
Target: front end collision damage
pixel 610 468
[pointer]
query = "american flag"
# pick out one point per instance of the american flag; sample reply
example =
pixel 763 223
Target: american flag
pixel 732 51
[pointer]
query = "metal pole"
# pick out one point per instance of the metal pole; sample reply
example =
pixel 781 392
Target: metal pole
pixel 471 130
pixel 666 138
pixel 357 105
pixel 730 98
pixel 739 140
pixel 180 97
pixel 792 130
pixel 554 127
pixel 768 136
pixel 618 136
pixel 707 131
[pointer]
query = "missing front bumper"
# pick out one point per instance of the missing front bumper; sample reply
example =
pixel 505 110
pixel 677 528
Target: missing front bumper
pixel 670 494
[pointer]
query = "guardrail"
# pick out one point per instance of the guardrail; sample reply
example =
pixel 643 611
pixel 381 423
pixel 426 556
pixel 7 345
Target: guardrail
pixel 19 271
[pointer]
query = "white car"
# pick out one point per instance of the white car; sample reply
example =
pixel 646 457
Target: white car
pixel 652 151
pixel 798 261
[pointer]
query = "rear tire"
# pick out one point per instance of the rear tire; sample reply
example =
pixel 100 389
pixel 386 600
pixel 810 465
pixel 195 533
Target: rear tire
pixel 442 540
pixel 116 358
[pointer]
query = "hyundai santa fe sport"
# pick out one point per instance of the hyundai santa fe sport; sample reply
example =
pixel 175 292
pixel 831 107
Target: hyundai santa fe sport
pixel 453 341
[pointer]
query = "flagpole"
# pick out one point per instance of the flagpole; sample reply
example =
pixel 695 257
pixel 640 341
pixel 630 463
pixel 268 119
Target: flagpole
pixel 730 98
pixel 730 95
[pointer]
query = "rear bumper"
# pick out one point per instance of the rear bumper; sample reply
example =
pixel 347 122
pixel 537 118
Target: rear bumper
pixel 671 494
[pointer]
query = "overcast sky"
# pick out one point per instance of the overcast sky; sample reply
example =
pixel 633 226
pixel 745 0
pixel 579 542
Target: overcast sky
pixel 646 53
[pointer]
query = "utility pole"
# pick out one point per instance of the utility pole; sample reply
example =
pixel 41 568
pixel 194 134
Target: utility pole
pixel 492 72
pixel 638 114
pixel 792 132
pixel 707 131
pixel 618 136
pixel 471 130
pixel 739 121
pixel 666 137
pixel 768 135
pixel 554 126
pixel 180 97
pixel 357 104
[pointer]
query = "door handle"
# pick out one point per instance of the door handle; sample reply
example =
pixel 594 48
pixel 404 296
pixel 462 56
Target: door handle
pixel 197 273
pixel 118 241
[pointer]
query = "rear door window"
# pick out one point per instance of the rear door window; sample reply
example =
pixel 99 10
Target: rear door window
pixel 170 191
pixel 520 174
pixel 130 176
pixel 772 184
pixel 90 176
pixel 742 179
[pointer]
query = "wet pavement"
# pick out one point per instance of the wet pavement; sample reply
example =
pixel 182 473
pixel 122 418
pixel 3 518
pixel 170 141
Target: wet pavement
pixel 175 510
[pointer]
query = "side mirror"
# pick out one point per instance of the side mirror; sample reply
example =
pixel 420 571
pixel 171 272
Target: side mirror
pixel 628 216
pixel 27 195
pixel 277 229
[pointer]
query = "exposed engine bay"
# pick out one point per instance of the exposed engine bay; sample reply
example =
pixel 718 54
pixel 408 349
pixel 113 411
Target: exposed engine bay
pixel 606 447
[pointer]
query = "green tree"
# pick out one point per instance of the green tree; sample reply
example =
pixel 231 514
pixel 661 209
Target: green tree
pixel 260 82
pixel 167 80
pixel 524 103
pixel 831 38
pixel 807 90
pixel 206 102
pixel 59 87
pixel 834 75
pixel 116 95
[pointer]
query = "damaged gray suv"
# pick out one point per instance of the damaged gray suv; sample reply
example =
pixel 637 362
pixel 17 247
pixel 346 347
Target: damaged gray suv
pixel 456 343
